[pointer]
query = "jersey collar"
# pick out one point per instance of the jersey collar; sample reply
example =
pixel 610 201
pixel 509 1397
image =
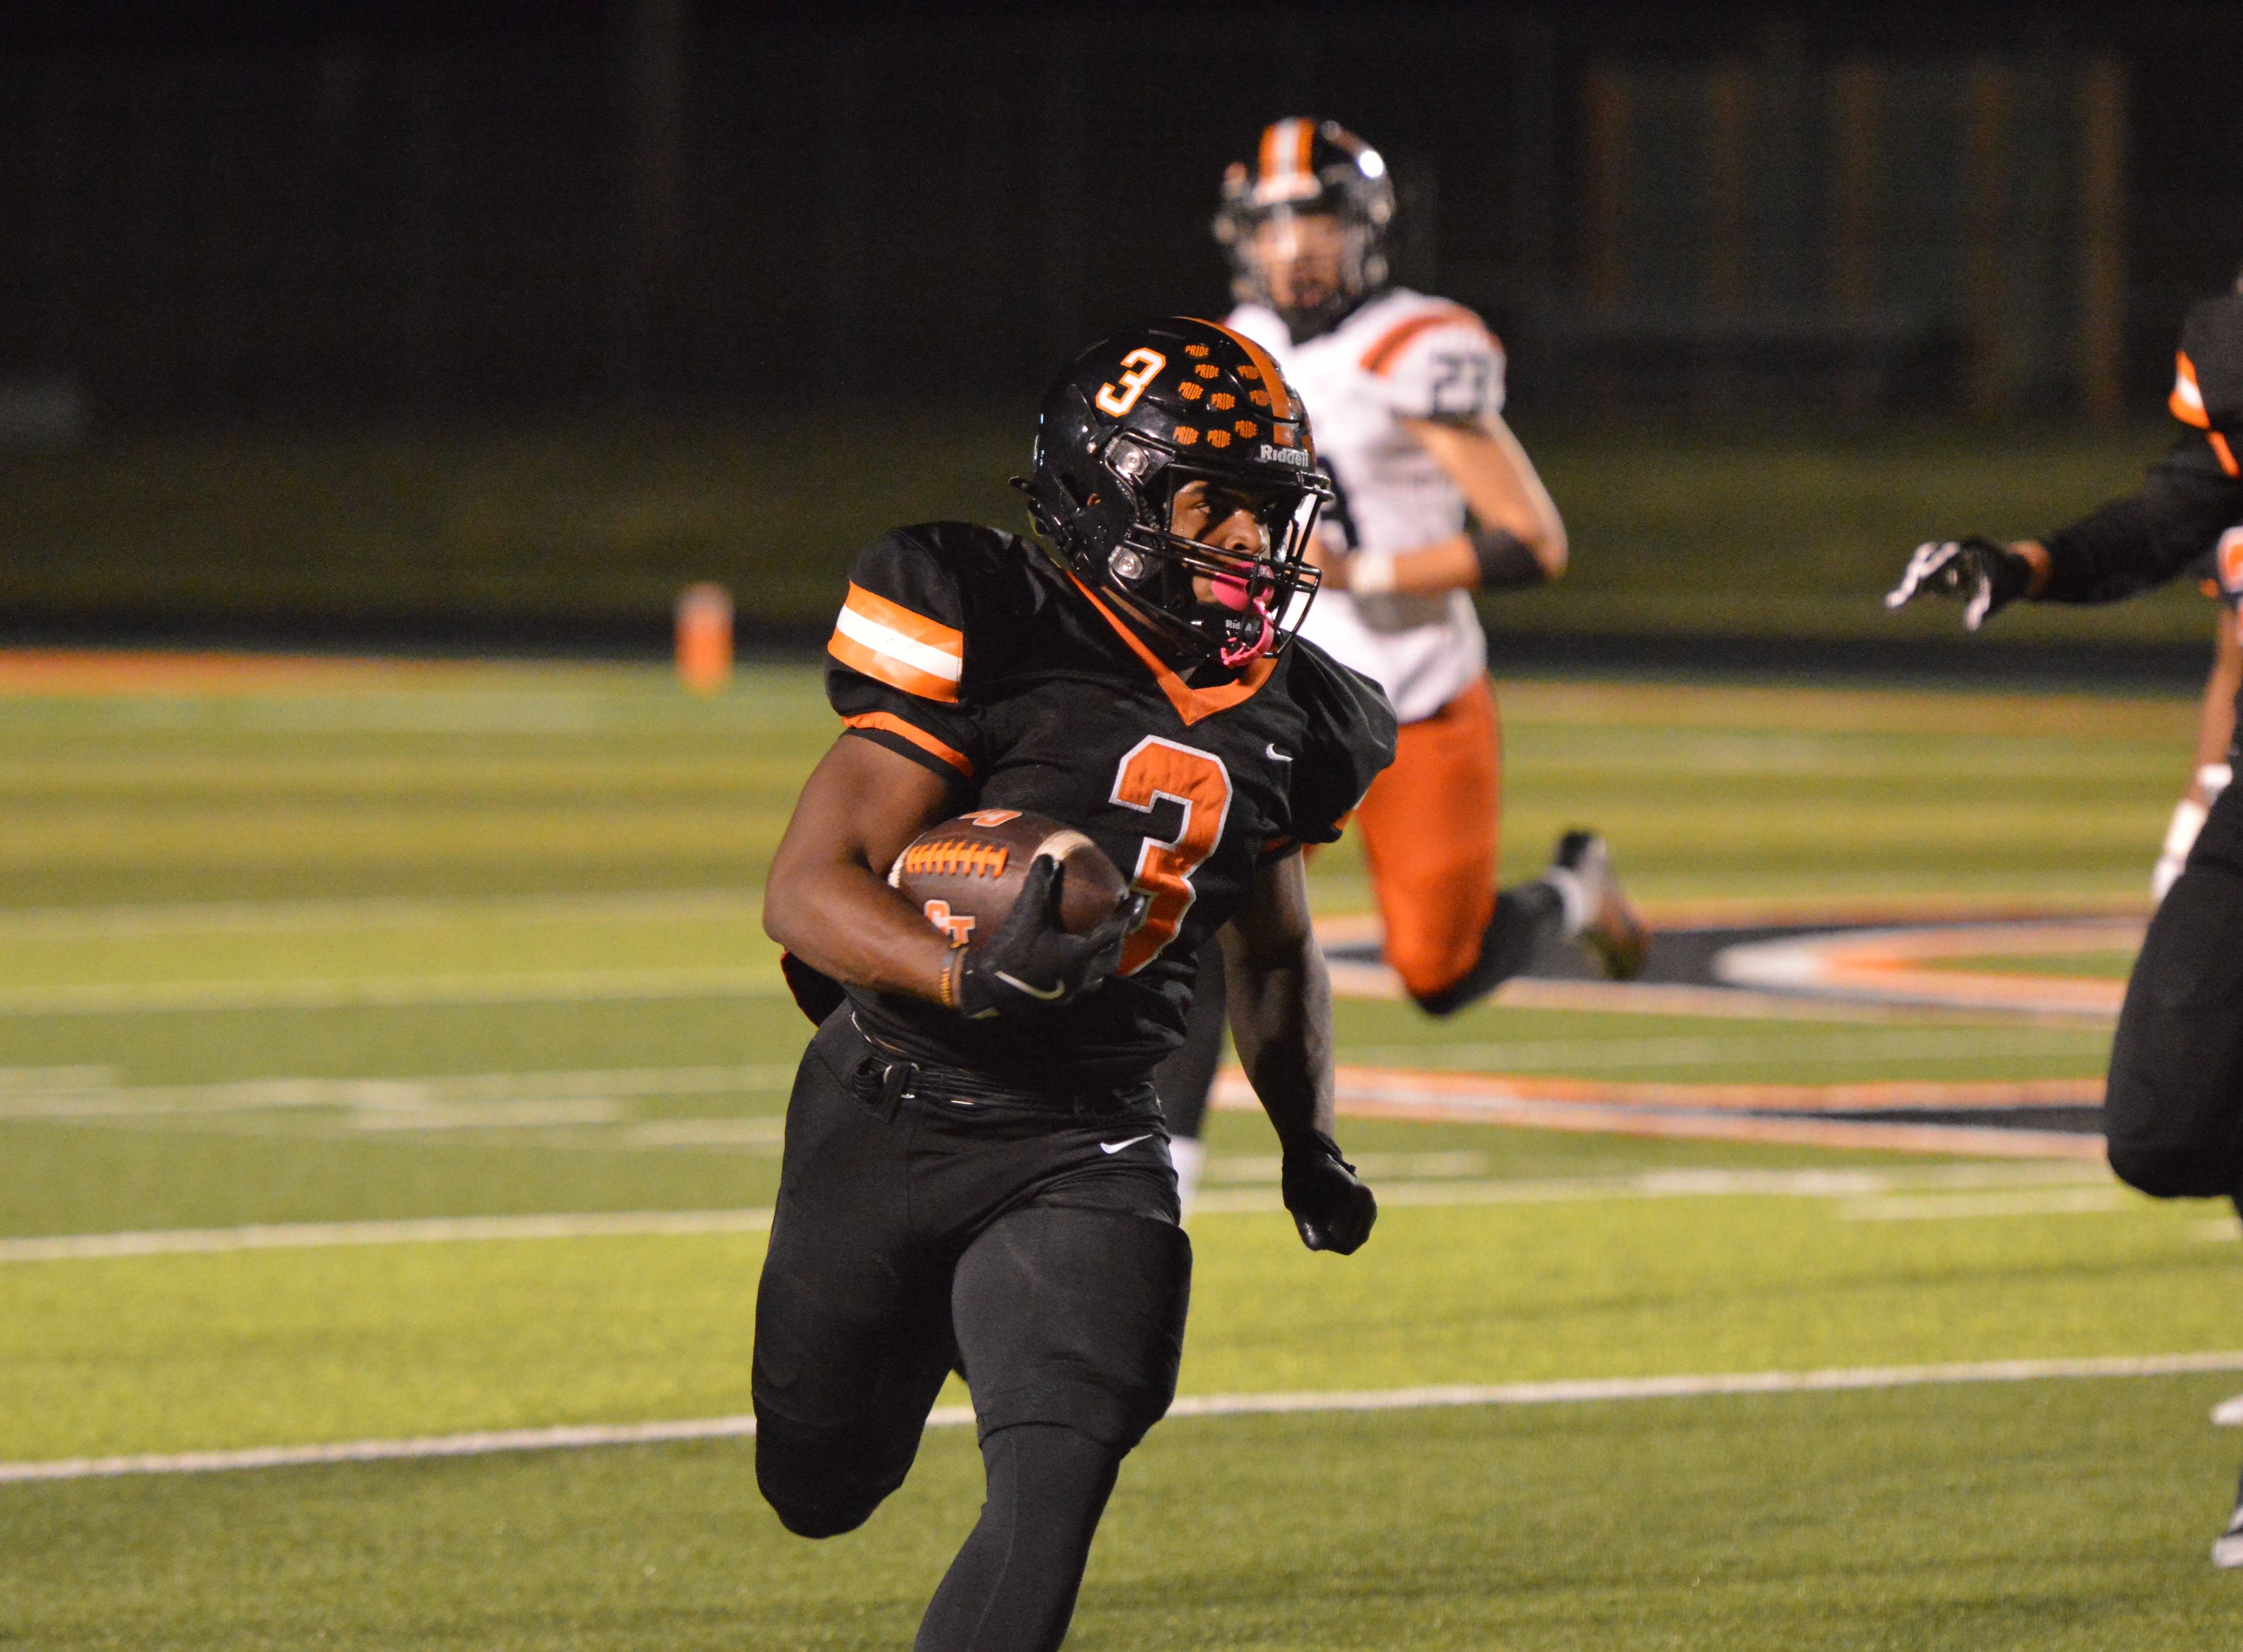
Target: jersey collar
pixel 1191 704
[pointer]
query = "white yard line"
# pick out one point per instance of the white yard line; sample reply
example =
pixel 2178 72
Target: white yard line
pixel 1581 1392
pixel 1946 1207
pixel 586 986
pixel 1570 1055
pixel 407 1096
pixel 1859 1185
pixel 304 1235
pixel 372 912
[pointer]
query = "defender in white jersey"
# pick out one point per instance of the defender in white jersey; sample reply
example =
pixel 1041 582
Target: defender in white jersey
pixel 1434 499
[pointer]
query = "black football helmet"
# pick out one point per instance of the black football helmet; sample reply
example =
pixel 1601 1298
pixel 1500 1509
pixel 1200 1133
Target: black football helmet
pixel 1304 168
pixel 1141 415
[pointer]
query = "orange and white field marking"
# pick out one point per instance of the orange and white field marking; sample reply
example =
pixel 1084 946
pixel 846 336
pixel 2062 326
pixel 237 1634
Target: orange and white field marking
pixel 70 671
pixel 1789 1114
pixel 1885 966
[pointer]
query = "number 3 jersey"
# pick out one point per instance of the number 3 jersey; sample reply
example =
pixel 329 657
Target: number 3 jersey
pixel 970 652
pixel 1402 355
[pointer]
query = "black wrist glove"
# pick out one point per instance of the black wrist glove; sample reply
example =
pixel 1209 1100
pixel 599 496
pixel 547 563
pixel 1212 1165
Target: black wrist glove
pixel 1506 562
pixel 1988 576
pixel 1332 1209
pixel 1029 962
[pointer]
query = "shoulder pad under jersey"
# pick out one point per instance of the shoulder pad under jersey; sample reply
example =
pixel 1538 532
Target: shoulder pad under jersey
pixel 2208 371
pixel 1433 359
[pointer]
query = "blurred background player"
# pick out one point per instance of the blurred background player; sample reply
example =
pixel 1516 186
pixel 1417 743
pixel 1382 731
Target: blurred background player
pixel 1433 499
pixel 2173 1105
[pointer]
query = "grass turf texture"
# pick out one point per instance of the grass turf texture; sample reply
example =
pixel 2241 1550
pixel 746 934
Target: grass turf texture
pixel 545 829
pixel 2061 1515
pixel 1677 531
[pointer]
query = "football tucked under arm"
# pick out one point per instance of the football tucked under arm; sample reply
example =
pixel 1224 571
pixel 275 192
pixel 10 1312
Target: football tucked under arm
pixel 1033 911
pixel 825 902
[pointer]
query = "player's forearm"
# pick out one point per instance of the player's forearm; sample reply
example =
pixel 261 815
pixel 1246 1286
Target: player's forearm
pixel 1483 559
pixel 1501 488
pixel 2138 543
pixel 2215 733
pixel 843 920
pixel 1281 1023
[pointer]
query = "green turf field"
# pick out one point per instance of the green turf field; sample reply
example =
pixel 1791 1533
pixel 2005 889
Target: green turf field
pixel 1676 529
pixel 481 944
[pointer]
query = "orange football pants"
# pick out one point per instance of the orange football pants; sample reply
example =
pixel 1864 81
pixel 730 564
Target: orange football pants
pixel 1428 826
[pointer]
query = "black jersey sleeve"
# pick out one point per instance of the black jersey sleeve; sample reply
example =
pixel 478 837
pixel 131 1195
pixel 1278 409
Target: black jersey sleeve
pixel 2153 534
pixel 1349 739
pixel 2188 498
pixel 896 662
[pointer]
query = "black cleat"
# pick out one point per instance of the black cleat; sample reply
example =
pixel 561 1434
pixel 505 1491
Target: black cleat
pixel 1612 934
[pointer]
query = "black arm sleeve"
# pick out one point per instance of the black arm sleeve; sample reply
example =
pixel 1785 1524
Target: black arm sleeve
pixel 2140 541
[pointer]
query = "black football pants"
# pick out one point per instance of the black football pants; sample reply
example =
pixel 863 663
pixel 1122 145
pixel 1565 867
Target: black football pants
pixel 1038 1247
pixel 2174 1108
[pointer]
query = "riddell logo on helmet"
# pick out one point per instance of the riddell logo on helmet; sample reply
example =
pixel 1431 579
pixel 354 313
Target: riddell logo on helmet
pixel 1284 455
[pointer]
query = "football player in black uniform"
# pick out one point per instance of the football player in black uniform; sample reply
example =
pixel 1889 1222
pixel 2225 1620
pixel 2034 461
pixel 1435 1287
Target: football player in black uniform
pixel 976 1170
pixel 2173 1106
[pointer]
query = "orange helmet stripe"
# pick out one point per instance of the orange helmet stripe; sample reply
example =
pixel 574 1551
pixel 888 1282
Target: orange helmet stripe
pixel 1281 402
pixel 1287 146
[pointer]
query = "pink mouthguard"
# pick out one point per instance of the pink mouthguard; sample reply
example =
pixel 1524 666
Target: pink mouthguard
pixel 1230 591
pixel 1236 654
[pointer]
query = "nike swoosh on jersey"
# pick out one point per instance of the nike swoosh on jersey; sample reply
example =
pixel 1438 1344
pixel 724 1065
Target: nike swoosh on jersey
pixel 1047 993
pixel 1281 756
pixel 1115 1147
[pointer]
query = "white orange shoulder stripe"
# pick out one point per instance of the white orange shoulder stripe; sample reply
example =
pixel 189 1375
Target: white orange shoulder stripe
pixel 890 643
pixel 2187 401
pixel 1381 357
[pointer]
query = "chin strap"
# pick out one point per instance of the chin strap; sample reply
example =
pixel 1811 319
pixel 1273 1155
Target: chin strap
pixel 1234 655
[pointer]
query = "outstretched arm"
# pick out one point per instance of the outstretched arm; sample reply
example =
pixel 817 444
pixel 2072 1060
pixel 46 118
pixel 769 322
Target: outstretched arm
pixel 2129 546
pixel 1280 1021
pixel 1517 538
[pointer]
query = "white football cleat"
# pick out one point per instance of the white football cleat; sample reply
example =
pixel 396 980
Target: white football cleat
pixel 2227 1552
pixel 2228 1414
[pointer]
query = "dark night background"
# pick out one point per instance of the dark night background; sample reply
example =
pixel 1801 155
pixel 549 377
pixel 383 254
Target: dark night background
pixel 229 213
pixel 492 325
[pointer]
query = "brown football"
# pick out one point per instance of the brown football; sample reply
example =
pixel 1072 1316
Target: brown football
pixel 965 874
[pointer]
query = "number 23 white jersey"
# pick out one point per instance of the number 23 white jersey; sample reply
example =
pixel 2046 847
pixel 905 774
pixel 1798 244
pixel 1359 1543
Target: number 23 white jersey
pixel 1403 355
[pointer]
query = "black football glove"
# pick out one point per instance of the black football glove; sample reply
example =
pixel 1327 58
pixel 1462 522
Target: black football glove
pixel 1988 576
pixel 1029 962
pixel 1332 1209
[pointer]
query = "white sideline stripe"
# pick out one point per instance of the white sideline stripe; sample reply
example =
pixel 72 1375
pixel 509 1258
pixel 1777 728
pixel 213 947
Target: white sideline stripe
pixel 307 1236
pixel 61 1100
pixel 885 639
pixel 1855 1185
pixel 1586 1391
pixel 205 917
pixel 111 998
